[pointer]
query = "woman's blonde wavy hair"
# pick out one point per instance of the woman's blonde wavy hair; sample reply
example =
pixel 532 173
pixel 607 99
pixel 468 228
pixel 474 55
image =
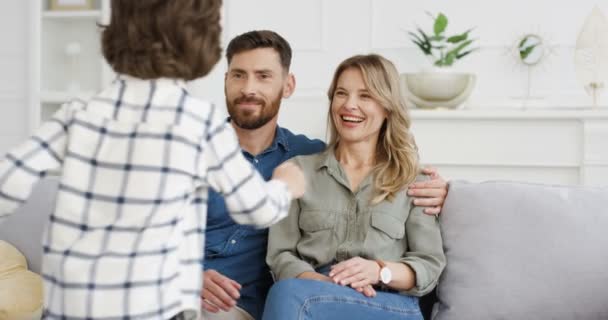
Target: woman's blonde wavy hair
pixel 397 162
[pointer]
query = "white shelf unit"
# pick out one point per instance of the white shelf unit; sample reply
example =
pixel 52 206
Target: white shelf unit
pixel 553 146
pixel 84 14
pixel 57 77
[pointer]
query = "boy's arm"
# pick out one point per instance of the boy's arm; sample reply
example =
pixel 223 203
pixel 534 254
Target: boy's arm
pixel 22 167
pixel 249 199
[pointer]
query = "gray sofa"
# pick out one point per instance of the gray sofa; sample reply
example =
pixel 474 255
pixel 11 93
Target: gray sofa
pixel 514 250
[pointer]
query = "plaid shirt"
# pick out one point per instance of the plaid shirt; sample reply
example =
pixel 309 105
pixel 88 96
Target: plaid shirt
pixel 135 162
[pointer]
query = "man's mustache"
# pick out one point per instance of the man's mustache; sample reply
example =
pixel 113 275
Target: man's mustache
pixel 246 99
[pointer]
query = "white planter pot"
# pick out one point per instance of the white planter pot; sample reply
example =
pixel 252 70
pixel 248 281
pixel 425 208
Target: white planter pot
pixel 437 88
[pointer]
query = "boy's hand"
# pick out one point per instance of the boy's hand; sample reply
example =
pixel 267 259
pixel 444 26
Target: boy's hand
pixel 429 194
pixel 293 176
pixel 219 292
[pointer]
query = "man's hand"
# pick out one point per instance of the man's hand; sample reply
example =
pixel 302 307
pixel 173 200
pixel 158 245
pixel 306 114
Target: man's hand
pixel 429 194
pixel 219 292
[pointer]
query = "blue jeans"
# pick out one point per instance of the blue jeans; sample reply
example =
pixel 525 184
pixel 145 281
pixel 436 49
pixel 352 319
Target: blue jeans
pixel 303 299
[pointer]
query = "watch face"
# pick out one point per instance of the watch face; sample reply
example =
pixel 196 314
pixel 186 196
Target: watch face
pixel 385 275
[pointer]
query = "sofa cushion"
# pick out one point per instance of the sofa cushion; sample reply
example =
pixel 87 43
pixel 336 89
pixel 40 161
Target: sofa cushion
pixel 524 251
pixel 20 289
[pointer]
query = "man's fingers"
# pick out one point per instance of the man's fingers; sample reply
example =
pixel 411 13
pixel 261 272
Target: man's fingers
pixel 432 211
pixel 235 284
pixel 209 307
pixel 215 301
pixel 428 202
pixel 229 287
pixel 429 184
pixel 429 171
pixel 218 296
pixel 226 284
pixel 427 193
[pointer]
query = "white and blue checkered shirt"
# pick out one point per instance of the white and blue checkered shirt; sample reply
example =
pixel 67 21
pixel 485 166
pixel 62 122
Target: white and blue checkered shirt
pixel 125 238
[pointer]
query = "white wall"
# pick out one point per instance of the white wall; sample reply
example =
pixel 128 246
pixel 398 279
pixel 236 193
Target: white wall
pixel 322 33
pixel 13 72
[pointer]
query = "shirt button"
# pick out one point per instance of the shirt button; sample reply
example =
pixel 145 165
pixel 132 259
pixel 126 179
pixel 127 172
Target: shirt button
pixel 256 160
pixel 233 241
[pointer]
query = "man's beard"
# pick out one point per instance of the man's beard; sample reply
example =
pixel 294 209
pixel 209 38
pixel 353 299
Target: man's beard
pixel 247 119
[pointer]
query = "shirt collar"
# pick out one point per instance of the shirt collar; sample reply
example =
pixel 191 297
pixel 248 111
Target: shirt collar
pixel 159 81
pixel 327 159
pixel 280 139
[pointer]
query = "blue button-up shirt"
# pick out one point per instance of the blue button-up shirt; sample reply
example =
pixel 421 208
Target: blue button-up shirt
pixel 238 251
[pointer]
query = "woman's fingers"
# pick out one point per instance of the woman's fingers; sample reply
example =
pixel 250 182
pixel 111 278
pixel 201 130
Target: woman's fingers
pixel 361 283
pixel 358 277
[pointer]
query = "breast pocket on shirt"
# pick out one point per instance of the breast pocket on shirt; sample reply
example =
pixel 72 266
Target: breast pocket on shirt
pixel 318 231
pixel 393 227
pixel 385 234
pixel 316 220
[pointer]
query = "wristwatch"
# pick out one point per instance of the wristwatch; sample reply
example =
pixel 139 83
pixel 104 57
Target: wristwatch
pixel 385 273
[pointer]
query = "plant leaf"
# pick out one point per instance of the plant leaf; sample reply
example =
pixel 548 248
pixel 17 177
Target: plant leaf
pixel 461 55
pixel 424 36
pixel 461 46
pixel 441 22
pixel 424 46
pixel 450 58
pixel 459 37
pixel 415 36
pixel 523 54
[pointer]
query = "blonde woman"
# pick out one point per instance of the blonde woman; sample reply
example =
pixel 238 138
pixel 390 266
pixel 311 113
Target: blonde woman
pixel 355 247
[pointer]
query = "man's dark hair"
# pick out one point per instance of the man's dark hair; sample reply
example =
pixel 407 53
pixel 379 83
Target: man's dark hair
pixel 260 39
pixel 150 39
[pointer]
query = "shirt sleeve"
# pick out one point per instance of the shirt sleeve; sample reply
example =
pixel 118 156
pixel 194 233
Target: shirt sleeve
pixel 22 167
pixel 249 199
pixel 283 237
pixel 425 250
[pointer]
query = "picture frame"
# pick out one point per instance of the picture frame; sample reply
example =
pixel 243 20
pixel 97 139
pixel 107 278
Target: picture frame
pixel 63 5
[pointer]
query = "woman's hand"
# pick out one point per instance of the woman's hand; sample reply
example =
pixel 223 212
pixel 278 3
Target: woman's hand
pixel 367 291
pixel 355 272
pixel 314 276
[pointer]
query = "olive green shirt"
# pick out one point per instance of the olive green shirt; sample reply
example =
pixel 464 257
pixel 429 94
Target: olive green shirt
pixel 330 223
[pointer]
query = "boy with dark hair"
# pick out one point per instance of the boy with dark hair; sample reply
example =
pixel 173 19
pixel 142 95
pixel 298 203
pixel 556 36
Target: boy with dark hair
pixel 124 240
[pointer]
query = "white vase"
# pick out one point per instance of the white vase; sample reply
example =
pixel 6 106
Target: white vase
pixel 437 88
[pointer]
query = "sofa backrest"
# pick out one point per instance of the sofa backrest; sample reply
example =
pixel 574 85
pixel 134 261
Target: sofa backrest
pixel 23 229
pixel 524 251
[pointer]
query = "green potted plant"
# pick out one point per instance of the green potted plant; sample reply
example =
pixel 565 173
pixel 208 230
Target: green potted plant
pixel 443 49
pixel 440 86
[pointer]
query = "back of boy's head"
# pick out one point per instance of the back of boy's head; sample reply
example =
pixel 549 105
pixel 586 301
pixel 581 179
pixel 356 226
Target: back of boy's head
pixel 151 39
pixel 258 39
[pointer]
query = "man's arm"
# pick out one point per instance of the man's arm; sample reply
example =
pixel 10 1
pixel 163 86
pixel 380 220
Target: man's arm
pixel 429 194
